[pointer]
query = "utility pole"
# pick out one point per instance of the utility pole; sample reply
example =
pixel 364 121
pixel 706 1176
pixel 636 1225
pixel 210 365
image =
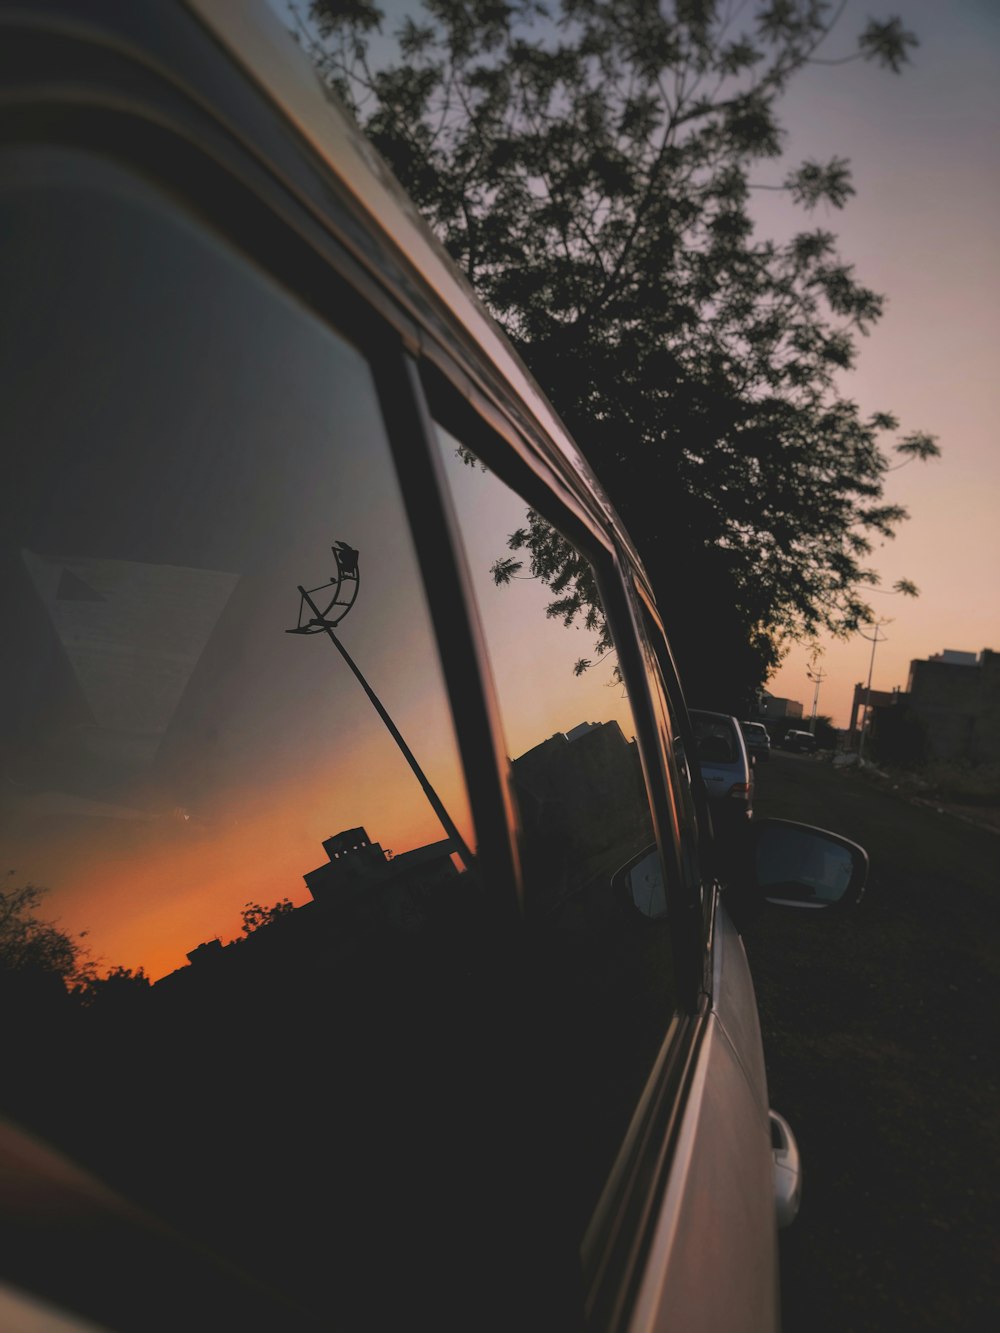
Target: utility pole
pixel 819 675
pixel 875 641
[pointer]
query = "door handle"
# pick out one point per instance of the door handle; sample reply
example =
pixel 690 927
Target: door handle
pixel 787 1170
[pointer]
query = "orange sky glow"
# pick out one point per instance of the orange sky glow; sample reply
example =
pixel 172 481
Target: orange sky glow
pixel 148 891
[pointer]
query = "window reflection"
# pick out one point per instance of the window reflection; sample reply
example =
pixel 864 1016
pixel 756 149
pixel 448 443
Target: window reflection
pixel 188 445
pixel 169 752
pixel 595 896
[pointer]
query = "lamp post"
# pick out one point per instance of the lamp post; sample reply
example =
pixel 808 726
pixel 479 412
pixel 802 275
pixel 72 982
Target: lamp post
pixel 819 675
pixel 341 594
pixel 875 641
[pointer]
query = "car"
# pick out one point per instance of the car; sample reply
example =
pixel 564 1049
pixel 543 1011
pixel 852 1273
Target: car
pixel 758 740
pixel 800 742
pixel 725 768
pixel 366 964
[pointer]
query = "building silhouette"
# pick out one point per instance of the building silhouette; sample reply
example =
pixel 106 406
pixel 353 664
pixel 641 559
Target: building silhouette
pixel 956 696
pixel 360 875
pixel 582 791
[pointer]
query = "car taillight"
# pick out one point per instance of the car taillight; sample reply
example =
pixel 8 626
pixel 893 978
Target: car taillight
pixel 741 790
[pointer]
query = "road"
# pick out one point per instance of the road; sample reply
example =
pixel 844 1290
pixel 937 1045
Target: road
pixel 882 1043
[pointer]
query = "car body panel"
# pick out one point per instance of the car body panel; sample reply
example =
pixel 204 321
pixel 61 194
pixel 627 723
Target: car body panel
pixel 713 1254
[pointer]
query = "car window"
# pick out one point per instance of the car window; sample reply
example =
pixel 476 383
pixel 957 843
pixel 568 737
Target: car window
pixel 595 898
pixel 715 738
pixel 237 933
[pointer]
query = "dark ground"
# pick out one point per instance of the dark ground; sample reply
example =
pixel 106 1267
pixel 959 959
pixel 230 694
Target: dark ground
pixel 882 1044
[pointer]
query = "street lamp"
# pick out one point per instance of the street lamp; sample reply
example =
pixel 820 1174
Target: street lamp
pixel 875 641
pixel 340 594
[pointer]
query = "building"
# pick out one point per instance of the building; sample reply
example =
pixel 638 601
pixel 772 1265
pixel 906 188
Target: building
pixel 865 698
pixel 771 707
pixel 361 879
pixel 956 696
pixel 580 790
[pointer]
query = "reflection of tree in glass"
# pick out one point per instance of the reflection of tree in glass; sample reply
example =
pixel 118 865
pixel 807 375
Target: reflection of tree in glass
pixel 555 562
pixel 29 944
pixel 117 991
pixel 256 917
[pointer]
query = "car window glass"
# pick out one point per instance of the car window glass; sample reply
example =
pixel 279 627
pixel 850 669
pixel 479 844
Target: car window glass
pixel 596 904
pixel 231 906
pixel 715 739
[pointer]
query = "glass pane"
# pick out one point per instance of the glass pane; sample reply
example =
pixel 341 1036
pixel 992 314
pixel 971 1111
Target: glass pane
pixel 192 796
pixel 595 897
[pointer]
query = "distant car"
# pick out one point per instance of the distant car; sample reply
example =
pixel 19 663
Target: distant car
pixel 800 742
pixel 725 767
pixel 758 741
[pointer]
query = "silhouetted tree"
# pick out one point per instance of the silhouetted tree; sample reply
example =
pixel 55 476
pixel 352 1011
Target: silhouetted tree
pixel 29 944
pixel 256 917
pixel 118 989
pixel 589 165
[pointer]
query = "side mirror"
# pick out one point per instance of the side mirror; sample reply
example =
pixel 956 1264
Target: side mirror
pixel 797 865
pixel 638 884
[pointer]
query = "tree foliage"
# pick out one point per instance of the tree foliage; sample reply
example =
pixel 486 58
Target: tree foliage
pixel 255 917
pixel 590 165
pixel 31 945
pixel 119 990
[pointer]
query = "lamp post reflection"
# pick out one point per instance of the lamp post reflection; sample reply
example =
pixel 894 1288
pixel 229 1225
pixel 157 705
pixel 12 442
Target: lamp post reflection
pixel 340 594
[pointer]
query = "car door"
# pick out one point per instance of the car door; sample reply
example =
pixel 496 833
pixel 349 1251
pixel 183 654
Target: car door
pixel 676 1226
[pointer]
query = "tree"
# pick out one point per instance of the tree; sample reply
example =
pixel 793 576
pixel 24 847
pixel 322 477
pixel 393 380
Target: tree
pixel 589 165
pixel 255 917
pixel 32 946
pixel 119 990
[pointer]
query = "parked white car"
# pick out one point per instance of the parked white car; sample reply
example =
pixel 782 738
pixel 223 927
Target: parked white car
pixel 725 768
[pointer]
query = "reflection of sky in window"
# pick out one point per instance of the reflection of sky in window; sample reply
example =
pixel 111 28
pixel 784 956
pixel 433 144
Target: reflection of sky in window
pixel 209 440
pixel 532 657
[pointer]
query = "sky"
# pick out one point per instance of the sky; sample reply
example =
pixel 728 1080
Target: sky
pixel 924 149
pixel 923 229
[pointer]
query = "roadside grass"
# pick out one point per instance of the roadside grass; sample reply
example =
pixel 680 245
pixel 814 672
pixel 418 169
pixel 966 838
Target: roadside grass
pixel 970 791
pixel 880 1035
